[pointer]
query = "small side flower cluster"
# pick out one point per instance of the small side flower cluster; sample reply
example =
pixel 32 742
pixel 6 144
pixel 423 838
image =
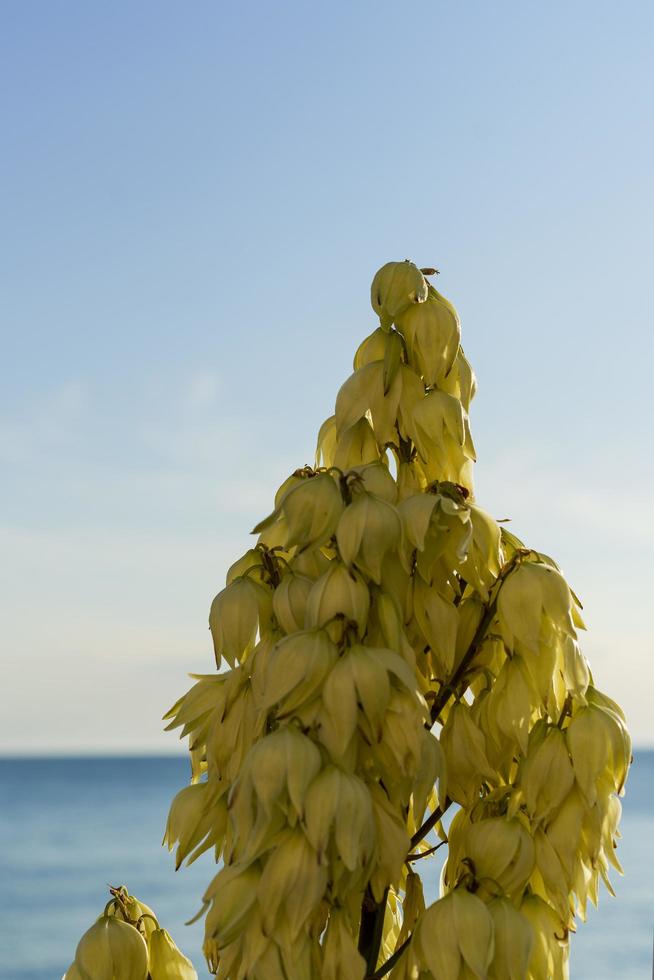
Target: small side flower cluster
pixel 391 650
pixel 127 943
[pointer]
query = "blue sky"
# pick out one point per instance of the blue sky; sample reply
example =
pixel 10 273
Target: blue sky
pixel 194 199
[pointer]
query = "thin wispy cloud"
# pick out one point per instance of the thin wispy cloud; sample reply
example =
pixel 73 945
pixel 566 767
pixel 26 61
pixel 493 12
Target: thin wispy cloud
pixel 48 424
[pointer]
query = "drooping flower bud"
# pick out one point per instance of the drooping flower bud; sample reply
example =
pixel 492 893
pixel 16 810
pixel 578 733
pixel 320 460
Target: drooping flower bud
pixel 166 961
pixel 465 752
pixel 297 669
pixel 369 528
pixel 531 591
pixel 197 820
pixel 369 390
pixel 373 478
pixel 292 884
pixel 312 509
pixel 438 620
pixel 441 434
pixel 598 740
pixel 547 775
pixel 454 932
pixel 549 955
pixel 501 851
pixel 232 893
pixel 339 592
pixel 112 950
pixel 235 616
pixel 289 601
pixel 395 287
pixel 514 941
pixel 433 333
pixel 339 804
pixel 341 960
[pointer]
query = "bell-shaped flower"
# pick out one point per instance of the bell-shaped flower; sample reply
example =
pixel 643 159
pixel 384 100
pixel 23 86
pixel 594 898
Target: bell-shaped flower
pixel 396 287
pixel 448 538
pixel 358 690
pixel 366 393
pixel 413 905
pixel 296 670
pixel 563 831
pixel 292 885
pixel 439 426
pixel 386 627
pixel 465 753
pixel 416 512
pixel 550 879
pixel 502 852
pixel 231 895
pixel 549 956
pixel 340 592
pixel 392 843
pixel 338 805
pixel 326 443
pixel 547 775
pixel 309 510
pixel 512 702
pixel 111 950
pixel 341 958
pixel 484 555
pixel 575 669
pixel 455 934
pixel 438 621
pixel 432 332
pixel 271 789
pixel 232 732
pixel 514 941
pixel 373 478
pixel 399 749
pixel 356 446
pixel 197 821
pixel 412 394
pixel 461 381
pixel 312 510
pixel 430 777
pixel 369 529
pixel 237 613
pixel 249 562
pixel 373 348
pixel 531 591
pixel 598 742
pixel 193 711
pixel 166 961
pixel 289 601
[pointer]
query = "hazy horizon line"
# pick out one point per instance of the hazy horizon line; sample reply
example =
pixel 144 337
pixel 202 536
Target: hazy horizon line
pixel 109 754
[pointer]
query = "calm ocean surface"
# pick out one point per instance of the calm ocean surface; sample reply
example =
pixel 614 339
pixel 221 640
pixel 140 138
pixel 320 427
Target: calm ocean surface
pixel 70 826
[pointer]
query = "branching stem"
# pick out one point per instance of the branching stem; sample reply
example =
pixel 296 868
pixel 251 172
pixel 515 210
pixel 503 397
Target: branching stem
pixel 372 928
pixel 390 962
pixel 430 823
pixel 423 854
pixel 448 689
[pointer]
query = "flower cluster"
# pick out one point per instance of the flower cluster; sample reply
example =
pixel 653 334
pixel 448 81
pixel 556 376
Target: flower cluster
pixel 386 650
pixel 127 943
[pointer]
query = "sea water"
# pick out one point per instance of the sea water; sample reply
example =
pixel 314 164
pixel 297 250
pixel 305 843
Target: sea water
pixel 71 827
